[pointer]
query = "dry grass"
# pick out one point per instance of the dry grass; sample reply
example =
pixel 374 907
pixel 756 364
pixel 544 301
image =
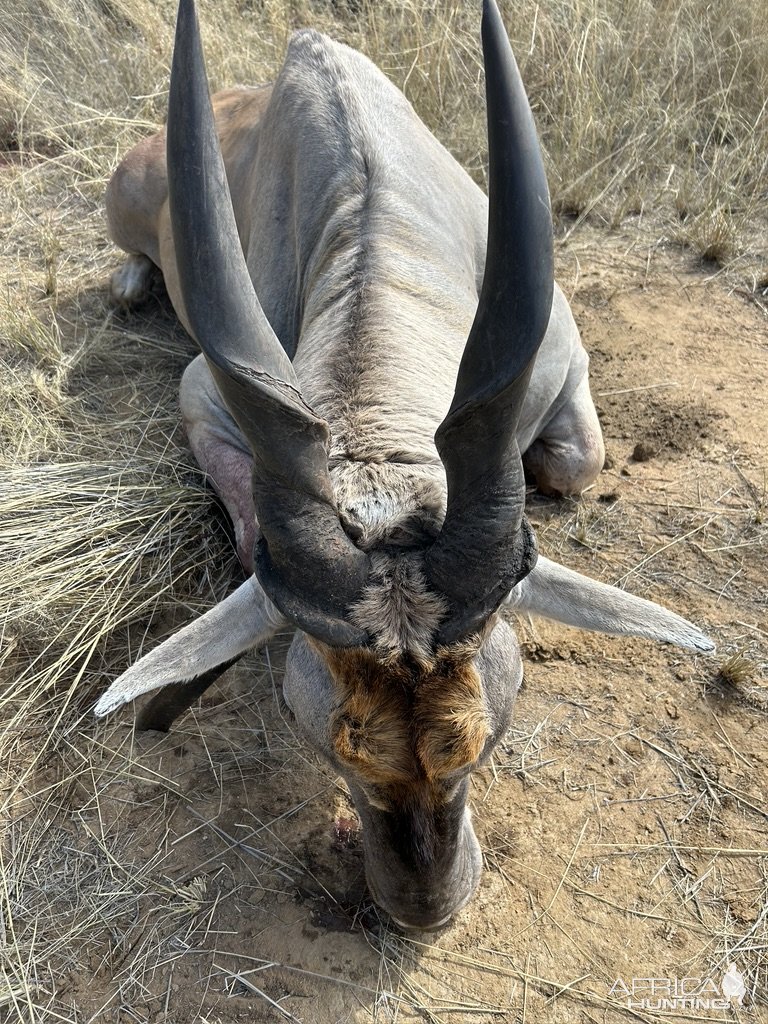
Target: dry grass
pixel 654 111
pixel 652 115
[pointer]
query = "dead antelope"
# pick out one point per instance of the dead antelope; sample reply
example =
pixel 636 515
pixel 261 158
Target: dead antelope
pixel 362 415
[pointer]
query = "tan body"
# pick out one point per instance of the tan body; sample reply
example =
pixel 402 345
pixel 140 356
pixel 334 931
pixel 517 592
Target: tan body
pixel 137 195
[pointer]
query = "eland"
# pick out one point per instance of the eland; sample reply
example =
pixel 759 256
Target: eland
pixel 384 355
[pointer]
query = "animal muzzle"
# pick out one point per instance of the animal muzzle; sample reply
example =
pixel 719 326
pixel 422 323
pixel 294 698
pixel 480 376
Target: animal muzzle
pixel 424 896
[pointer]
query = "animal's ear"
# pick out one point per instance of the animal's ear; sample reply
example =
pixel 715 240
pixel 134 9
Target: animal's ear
pixel 245 619
pixel 566 596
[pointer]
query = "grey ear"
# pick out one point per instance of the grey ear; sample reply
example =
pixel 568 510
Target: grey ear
pixel 244 620
pixel 566 596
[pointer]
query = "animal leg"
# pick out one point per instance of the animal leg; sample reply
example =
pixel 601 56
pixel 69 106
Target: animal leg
pixel 132 282
pixel 135 197
pixel 221 452
pixel 569 453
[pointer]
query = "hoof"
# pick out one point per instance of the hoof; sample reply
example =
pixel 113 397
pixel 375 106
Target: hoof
pixel 132 283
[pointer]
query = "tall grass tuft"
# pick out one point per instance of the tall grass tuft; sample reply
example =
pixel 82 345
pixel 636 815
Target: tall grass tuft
pixel 656 107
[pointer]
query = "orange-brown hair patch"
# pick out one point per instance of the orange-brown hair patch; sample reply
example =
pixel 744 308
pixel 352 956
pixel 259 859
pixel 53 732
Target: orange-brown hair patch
pixel 450 717
pixel 368 728
pixel 399 723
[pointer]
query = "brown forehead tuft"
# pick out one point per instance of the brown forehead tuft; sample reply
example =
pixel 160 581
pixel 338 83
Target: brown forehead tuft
pixel 450 718
pixel 400 723
pixel 368 728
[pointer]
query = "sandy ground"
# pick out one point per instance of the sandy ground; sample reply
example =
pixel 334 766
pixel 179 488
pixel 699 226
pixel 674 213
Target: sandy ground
pixel 623 820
